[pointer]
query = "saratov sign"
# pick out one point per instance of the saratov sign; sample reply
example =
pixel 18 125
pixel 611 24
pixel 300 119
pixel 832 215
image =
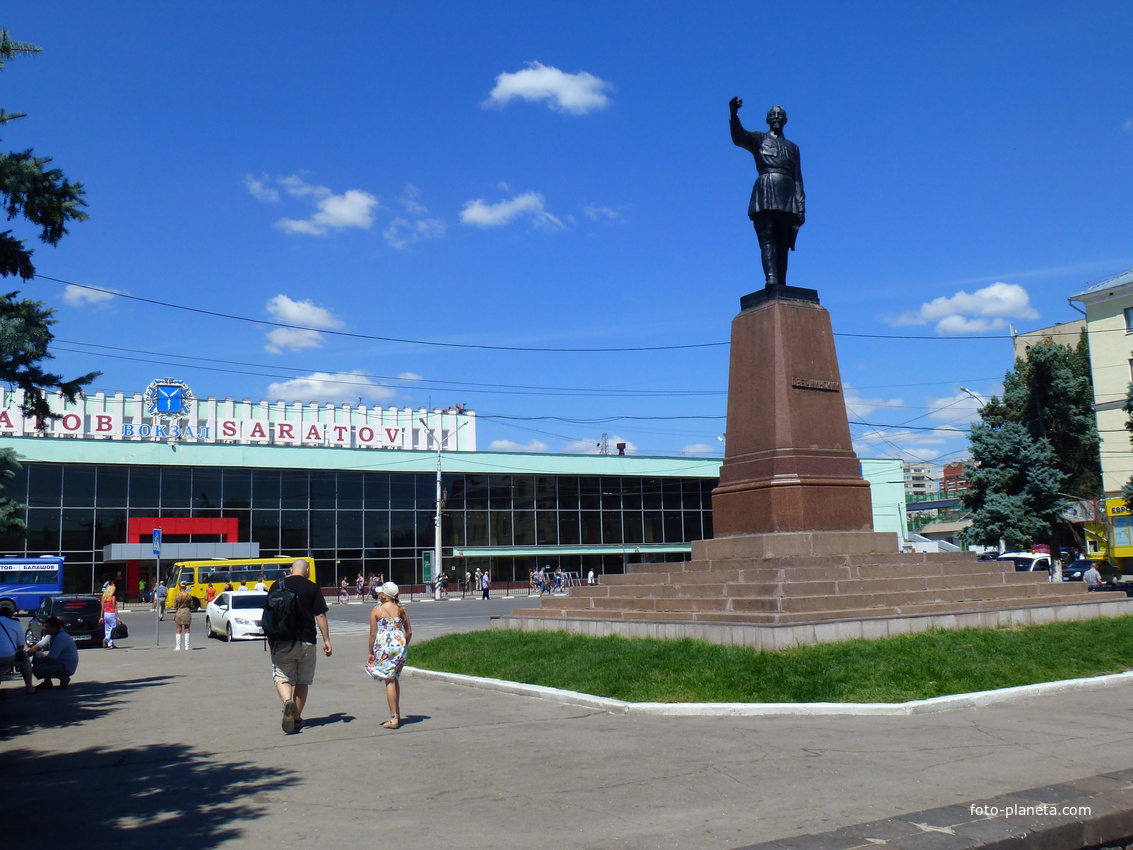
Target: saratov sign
pixel 169 412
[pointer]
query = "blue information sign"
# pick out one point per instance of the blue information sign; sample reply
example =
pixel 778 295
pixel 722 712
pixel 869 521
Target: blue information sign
pixel 157 541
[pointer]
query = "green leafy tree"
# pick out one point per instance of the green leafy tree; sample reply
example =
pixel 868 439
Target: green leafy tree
pixel 1037 443
pixel 1127 490
pixel 46 199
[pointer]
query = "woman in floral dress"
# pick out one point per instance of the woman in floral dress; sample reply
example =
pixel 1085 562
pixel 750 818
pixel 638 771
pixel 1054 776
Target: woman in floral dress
pixel 390 633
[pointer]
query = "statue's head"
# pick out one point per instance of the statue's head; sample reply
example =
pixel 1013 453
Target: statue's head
pixel 776 117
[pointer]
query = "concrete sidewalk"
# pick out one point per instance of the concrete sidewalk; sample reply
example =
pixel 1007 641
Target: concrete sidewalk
pixel 151 747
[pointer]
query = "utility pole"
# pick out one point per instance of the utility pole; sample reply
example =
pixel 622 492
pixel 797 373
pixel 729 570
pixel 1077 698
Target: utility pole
pixel 436 437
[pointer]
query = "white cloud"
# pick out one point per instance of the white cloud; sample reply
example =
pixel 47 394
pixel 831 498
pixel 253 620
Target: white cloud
pixel 509 446
pixel 353 208
pixel 410 376
pixel 416 226
pixel 1128 125
pixel 327 387
pixel 984 310
pixel 305 313
pixel 908 445
pixel 859 407
pixel 480 213
pixel 84 296
pixel 598 212
pixel 260 189
pixel 575 94
pixel 593 447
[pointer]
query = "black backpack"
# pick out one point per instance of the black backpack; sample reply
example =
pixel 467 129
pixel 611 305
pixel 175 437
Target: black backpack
pixel 281 613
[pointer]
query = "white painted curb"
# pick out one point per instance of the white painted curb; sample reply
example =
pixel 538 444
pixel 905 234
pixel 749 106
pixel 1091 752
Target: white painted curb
pixel 757 709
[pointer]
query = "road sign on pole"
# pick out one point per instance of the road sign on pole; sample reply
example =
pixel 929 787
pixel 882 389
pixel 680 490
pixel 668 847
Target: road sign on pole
pixel 157 542
pixel 427 568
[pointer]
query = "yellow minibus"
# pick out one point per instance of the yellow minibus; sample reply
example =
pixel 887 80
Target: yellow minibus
pixel 244 573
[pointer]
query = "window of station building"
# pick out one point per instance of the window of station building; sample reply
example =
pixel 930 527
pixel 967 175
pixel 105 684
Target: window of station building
pixel 612 528
pixel 651 494
pixel 43 525
pixel 111 486
pixel 590 527
pixel 590 493
pixel 693 527
pixel 546 527
pixel 45 486
pixel 631 527
pixel 499 533
pixel 78 486
pixel 611 494
pixel 349 528
pixel 109 526
pixel 208 486
pixel 452 485
pixel 523 528
pixel 402 528
pixel 294 489
pixel 16 487
pixel 523 492
pixel 476 492
pixel 176 489
pixel 1128 319
pixel 674 526
pixel 265 488
pixel 350 490
pixel 567 527
pixel 265 529
pixel 653 527
pixel 476 528
pixel 499 492
pixel 323 527
pixel 545 495
pixel 426 529
pixel 324 491
pixel 243 523
pixel 402 491
pixel 76 529
pixel 236 488
pixel 294 534
pixel 375 490
pixel 631 494
pixel 376 529
pixel 671 493
pixel 145 488
pixel 452 529
pixel 568 493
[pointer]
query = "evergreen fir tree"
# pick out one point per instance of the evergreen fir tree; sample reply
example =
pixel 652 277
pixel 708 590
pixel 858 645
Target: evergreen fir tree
pixel 1035 444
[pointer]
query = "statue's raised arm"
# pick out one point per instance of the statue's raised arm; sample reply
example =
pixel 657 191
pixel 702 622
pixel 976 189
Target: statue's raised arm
pixel 778 204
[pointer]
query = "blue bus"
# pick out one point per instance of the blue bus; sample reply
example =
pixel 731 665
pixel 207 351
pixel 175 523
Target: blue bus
pixel 26 582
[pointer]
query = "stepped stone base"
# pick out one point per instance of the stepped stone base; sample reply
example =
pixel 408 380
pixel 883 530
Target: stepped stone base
pixel 772 591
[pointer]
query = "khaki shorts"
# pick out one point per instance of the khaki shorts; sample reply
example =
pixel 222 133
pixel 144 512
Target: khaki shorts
pixel 294 663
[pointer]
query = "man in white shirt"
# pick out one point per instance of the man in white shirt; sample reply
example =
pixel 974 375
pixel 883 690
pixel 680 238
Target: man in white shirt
pixel 12 652
pixel 55 656
pixel 1092 577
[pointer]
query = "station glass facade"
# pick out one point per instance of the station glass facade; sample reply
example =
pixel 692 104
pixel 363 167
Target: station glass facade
pixel 355 521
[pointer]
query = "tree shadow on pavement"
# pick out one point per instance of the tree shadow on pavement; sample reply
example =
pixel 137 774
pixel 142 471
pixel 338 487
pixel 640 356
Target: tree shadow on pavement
pixel 59 707
pixel 164 795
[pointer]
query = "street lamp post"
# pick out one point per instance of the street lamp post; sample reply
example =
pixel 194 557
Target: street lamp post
pixel 440 502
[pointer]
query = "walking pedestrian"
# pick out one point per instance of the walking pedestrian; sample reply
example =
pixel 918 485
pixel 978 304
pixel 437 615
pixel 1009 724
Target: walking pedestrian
pixel 109 617
pixel 390 633
pixel 182 615
pixel 293 662
pixel 486 584
pixel 343 592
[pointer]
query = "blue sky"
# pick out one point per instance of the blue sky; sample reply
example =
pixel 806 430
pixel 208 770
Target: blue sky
pixel 560 176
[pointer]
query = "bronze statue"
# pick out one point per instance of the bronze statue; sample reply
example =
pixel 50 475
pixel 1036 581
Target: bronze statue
pixel 778 205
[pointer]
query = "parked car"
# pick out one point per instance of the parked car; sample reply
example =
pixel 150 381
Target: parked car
pixel 1027 562
pixel 79 615
pixel 236 615
pixel 987 556
pixel 1076 569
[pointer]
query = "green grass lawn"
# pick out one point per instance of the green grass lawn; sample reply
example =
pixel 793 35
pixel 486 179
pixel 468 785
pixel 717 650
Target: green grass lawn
pixel 891 670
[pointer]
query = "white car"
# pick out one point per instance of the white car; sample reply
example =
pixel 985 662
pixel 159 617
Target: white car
pixel 236 614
